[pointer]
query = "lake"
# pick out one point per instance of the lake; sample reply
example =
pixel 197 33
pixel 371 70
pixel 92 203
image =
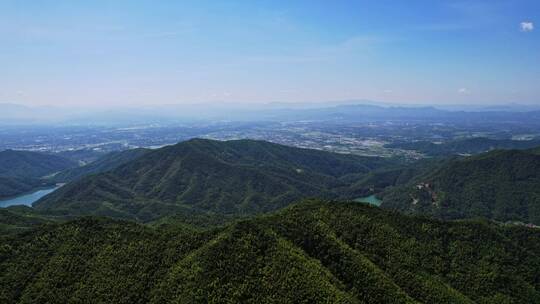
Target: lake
pixel 26 199
pixel 369 200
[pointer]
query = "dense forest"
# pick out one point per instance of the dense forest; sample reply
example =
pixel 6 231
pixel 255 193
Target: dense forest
pixel 26 164
pixel 23 171
pixel 313 252
pixel 238 177
pixel 104 163
pixel 270 152
pixel 12 186
pixel 198 222
pixel 503 185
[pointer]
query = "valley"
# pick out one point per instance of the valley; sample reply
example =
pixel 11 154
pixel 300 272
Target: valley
pixel 26 199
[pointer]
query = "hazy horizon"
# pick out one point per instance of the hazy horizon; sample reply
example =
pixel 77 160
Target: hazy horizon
pixel 315 104
pixel 117 54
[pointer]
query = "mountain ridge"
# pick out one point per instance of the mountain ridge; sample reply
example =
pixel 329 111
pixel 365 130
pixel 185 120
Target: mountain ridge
pixel 502 185
pixel 24 171
pixel 105 163
pixel 243 176
pixel 28 164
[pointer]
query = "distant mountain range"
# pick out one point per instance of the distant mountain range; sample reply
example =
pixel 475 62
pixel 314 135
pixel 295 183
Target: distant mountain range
pixel 243 176
pixel 314 252
pixel 346 111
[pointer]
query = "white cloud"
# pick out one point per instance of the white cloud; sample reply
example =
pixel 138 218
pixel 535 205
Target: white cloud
pixel 527 26
pixel 463 91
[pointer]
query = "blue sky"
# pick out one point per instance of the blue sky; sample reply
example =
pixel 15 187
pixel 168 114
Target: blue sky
pixel 163 52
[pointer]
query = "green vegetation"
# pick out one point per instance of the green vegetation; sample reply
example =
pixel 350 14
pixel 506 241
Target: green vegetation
pixel 20 218
pixel 26 164
pixel 313 252
pixel 499 185
pixel 105 163
pixel 379 180
pixel 464 146
pixel 232 177
pixel 22 171
pixel 202 243
pixel 82 156
pixel 13 186
pixel 195 220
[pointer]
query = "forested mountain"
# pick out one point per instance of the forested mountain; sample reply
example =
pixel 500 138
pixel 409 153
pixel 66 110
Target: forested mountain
pixel 105 163
pixel 464 146
pixel 15 219
pixel 241 177
pixel 314 252
pixel 21 171
pixel 12 186
pixel 500 185
pixel 379 180
pixel 82 156
pixel 26 164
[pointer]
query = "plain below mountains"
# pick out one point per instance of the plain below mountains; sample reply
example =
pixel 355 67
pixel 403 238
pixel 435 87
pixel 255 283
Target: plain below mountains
pixel 314 252
pixel 240 177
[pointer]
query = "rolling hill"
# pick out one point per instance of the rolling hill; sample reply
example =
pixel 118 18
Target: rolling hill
pixel 22 171
pixel 314 252
pixel 241 177
pixel 103 164
pixel 26 164
pixel 13 186
pixel 503 185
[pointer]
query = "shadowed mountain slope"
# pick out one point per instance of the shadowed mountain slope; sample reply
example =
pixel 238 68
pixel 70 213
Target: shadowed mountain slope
pixel 22 171
pixel 26 164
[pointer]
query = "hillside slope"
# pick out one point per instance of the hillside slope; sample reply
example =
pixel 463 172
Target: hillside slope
pixel 103 164
pixel 26 164
pixel 241 177
pixel 22 171
pixel 13 186
pixel 314 252
pixel 500 185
